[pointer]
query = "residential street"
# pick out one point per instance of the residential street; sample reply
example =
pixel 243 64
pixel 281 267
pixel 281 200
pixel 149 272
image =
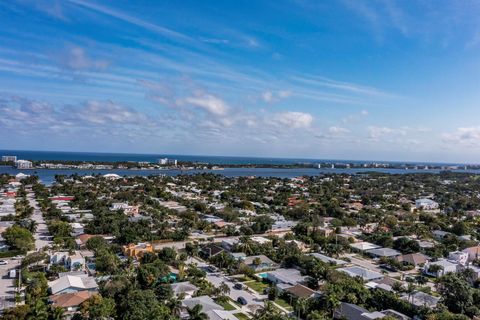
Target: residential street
pixel 7 288
pixel 41 235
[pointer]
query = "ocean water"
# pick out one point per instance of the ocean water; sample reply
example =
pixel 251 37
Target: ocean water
pixel 47 176
pixel 116 157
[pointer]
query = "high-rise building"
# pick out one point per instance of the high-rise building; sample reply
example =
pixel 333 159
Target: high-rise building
pixel 23 164
pixel 9 158
pixel 165 161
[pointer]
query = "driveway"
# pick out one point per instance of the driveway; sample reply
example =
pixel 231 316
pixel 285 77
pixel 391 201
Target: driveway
pixel 254 301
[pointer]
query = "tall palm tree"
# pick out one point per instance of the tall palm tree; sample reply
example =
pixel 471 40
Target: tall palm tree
pixel 196 313
pixel 38 311
pixel 301 306
pixel 57 313
pixel 246 245
pixel 175 304
pixel 267 311
pixel 224 288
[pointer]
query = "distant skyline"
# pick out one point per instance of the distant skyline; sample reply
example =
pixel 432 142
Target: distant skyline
pixel 348 79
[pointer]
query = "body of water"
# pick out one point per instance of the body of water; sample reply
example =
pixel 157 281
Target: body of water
pixel 220 160
pixel 47 176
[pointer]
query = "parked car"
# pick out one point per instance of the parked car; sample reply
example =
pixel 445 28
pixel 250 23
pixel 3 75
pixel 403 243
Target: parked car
pixel 238 286
pixel 13 273
pixel 3 262
pixel 242 301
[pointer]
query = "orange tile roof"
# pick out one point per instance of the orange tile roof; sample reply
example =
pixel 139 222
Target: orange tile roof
pixel 66 300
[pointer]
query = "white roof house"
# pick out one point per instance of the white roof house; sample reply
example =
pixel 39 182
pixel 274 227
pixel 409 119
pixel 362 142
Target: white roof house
pixel 185 288
pixel 422 299
pixel 426 204
pixel 364 246
pixel 383 252
pixel 260 240
pixel 365 274
pixel 111 176
pixel 328 259
pixel 286 276
pixel 458 256
pixel 445 265
pixel 69 284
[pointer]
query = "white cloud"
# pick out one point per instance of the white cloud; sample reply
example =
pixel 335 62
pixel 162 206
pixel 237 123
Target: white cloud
pixel 271 96
pixel 378 132
pixel 338 130
pixel 209 103
pixel 267 96
pixel 108 112
pixel 463 135
pixel 293 119
pixel 75 58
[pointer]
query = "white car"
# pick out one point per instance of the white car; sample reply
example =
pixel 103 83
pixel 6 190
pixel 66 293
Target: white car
pixel 3 262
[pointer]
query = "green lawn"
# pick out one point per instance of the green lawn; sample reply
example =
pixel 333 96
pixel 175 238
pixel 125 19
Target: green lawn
pixel 244 278
pixel 282 303
pixel 226 305
pixel 241 316
pixel 257 286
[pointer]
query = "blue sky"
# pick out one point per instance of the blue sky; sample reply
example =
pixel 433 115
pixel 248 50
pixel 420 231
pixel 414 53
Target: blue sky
pixel 347 79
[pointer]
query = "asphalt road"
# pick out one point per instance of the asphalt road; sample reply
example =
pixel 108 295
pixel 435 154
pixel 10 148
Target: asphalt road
pixel 7 288
pixel 42 230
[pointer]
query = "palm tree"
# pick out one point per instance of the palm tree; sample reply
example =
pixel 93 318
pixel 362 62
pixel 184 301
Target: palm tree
pixel 267 311
pixel 38 311
pixel 57 313
pixel 318 315
pixel 196 313
pixel 175 304
pixel 301 306
pixel 246 245
pixel 410 290
pixel 224 288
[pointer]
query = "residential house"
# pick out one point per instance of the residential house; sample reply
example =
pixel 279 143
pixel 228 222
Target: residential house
pixel 458 257
pixel 211 250
pixel 260 240
pixel 286 277
pixel 70 283
pixel 363 246
pixel 69 302
pixel 75 261
pixel 383 252
pixel 301 291
pixel 77 229
pixel 421 299
pixel 137 250
pixel 426 204
pixel 328 259
pixel 351 311
pixel 414 259
pixel 229 244
pixel 260 262
pixel 473 253
pixel 365 274
pixel 440 267
pixel 207 303
pixel 439 234
pixel 183 288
